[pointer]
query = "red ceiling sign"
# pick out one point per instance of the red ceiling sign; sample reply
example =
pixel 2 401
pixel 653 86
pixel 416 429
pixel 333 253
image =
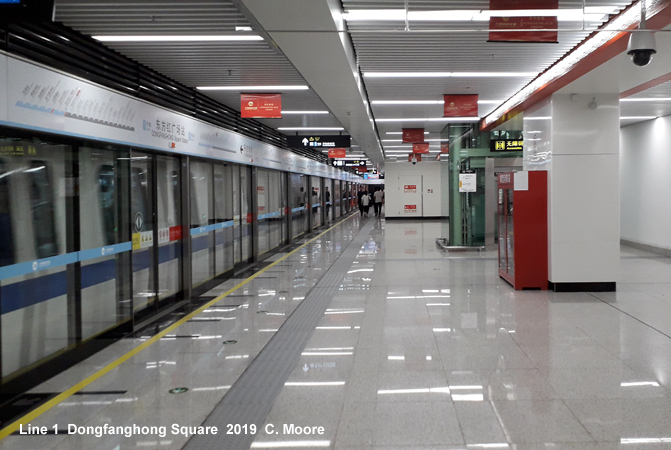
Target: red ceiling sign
pixel 362 169
pixel 261 106
pixel 337 153
pixel 499 27
pixel 420 148
pixel 460 105
pixel 417 156
pixel 412 135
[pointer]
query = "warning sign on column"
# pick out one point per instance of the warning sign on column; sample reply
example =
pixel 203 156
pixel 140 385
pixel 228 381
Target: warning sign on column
pixel 410 188
pixel 410 209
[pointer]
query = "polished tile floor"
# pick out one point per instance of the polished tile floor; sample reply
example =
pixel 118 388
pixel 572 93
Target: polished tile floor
pixel 419 349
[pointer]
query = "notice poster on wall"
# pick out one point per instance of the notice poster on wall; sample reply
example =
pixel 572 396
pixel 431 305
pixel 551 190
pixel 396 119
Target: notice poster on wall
pixel 410 188
pixel 467 182
pixel 410 209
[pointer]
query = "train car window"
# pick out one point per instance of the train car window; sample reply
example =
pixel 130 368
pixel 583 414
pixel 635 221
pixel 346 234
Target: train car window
pixel 107 198
pixel 42 205
pixel 6 236
pixel 138 185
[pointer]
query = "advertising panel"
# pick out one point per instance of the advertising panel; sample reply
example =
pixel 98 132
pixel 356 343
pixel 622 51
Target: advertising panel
pixel 420 148
pixel 261 106
pixel 460 105
pixel 412 135
pixel 337 153
pixel 502 29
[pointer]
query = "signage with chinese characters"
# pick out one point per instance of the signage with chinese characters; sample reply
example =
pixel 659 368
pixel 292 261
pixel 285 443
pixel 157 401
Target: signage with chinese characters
pixel 348 163
pixel 410 209
pixel 319 141
pixel 468 181
pixel 506 145
pixel 502 29
pixel 410 188
pixel 261 106
pixel 444 147
pixel 420 148
pixel 460 105
pixel 337 153
pixel 412 135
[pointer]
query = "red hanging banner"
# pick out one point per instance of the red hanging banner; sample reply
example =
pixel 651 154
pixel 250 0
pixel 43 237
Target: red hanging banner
pixel 362 169
pixel 420 148
pixel 445 147
pixel 497 25
pixel 261 106
pixel 460 105
pixel 337 153
pixel 412 135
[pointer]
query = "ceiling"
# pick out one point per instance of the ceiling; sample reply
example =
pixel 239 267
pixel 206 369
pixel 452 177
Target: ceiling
pixel 297 51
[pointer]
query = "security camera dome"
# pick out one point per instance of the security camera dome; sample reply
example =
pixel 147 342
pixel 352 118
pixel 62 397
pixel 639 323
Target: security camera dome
pixel 641 47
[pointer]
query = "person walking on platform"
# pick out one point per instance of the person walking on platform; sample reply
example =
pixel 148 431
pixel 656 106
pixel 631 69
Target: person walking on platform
pixel 365 202
pixel 378 199
pixel 360 194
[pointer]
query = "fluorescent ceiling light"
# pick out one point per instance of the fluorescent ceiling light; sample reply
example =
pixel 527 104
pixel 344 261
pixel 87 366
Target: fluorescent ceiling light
pixel 425 140
pixel 448 74
pixel 637 117
pixel 428 102
pixel 177 38
pixel 467 15
pixel 407 102
pixel 432 119
pixel 243 28
pixel 311 129
pixel 400 132
pixel 305 112
pixel 651 99
pixel 253 88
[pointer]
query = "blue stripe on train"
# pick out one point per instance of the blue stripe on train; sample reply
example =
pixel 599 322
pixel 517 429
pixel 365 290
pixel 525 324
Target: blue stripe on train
pixel 26 293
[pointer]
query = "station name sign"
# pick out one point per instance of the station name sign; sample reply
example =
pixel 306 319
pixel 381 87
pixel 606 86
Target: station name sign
pixel 319 141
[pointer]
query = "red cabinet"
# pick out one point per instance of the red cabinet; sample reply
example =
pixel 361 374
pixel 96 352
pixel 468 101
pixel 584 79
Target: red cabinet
pixel 523 229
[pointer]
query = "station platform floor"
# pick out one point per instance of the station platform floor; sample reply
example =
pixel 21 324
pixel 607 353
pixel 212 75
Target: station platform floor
pixel 368 336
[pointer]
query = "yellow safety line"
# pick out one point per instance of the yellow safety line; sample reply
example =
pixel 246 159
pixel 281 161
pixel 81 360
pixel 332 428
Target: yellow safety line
pixel 24 420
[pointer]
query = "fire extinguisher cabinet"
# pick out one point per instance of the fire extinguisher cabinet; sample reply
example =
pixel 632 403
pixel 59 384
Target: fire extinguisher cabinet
pixel 523 229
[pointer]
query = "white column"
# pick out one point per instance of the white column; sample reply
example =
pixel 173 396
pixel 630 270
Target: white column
pixel 582 137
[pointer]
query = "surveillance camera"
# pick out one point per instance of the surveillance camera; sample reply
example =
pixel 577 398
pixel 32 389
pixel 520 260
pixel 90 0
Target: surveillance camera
pixel 413 160
pixel 641 47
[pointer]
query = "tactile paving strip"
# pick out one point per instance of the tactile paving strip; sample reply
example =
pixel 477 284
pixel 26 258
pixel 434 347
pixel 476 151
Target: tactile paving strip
pixel 252 396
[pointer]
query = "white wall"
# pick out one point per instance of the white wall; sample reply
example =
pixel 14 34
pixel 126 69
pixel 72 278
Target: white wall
pixel 432 188
pixel 645 184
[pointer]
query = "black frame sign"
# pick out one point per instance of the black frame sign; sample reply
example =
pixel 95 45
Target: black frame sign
pixel 506 145
pixel 319 141
pixel 348 162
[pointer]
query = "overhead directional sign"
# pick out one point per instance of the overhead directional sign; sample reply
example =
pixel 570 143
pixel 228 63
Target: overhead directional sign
pixel 319 141
pixel 348 162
